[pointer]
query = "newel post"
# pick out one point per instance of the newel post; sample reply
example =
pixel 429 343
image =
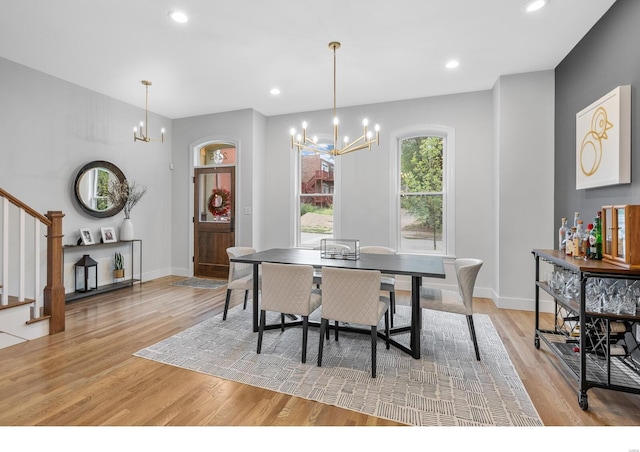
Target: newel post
pixel 54 300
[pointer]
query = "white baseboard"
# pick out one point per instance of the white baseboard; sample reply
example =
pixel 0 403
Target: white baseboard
pixel 519 304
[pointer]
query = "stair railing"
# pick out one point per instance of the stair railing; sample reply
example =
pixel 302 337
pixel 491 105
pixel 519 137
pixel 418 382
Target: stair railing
pixel 49 301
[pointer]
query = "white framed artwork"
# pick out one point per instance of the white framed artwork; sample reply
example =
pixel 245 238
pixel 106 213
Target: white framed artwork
pixel 603 141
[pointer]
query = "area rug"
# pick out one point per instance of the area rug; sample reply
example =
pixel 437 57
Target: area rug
pixel 201 283
pixel 446 387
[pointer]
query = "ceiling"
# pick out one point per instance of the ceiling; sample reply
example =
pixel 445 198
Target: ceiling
pixel 232 52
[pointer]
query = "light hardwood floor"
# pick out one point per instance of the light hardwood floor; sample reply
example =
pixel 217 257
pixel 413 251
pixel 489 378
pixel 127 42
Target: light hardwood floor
pixel 88 375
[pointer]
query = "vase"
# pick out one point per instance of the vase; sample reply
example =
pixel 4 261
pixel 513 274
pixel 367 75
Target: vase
pixel 126 230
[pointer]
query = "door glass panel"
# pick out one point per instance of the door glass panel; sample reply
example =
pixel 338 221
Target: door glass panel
pixel 217 154
pixel 215 198
pixel 608 239
pixel 621 233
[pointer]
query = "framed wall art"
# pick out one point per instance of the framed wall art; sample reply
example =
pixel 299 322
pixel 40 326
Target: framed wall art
pixel 603 141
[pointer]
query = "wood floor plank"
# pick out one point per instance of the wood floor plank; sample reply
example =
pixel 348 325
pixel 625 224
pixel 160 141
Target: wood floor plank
pixel 88 376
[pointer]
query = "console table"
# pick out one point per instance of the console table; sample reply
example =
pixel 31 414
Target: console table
pixel 127 282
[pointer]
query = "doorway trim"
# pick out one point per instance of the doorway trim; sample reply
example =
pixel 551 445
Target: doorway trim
pixel 192 155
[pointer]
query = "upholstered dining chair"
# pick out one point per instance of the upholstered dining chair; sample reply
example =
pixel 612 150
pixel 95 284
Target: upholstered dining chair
pixel 240 276
pixel 457 302
pixel 353 296
pixel 288 289
pixel 388 282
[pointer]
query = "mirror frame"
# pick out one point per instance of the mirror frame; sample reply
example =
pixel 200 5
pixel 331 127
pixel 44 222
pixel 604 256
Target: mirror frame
pixel 76 187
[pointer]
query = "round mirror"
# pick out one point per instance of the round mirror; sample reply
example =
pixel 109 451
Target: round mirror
pixel 91 186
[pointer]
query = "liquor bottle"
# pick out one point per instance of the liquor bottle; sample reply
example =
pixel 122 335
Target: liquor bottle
pixel 591 233
pixel 576 217
pixel 597 225
pixel 578 239
pixel 562 235
pixel 569 242
pixel 587 241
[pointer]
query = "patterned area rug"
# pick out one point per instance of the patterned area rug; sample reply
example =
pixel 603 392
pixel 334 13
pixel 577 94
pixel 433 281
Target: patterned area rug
pixel 201 283
pixel 446 387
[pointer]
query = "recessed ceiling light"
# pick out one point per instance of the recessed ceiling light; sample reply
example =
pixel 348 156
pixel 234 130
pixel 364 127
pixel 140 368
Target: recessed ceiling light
pixel 535 5
pixel 178 16
pixel 275 91
pixel 452 64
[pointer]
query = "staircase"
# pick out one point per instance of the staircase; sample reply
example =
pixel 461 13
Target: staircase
pixel 30 306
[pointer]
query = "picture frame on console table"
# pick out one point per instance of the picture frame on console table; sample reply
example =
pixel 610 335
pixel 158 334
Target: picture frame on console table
pixel 108 235
pixel 86 236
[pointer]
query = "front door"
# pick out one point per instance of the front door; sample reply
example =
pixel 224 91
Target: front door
pixel 214 220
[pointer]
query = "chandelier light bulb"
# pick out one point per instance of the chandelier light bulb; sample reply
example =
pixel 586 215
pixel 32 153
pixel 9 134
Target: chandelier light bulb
pixel 162 130
pixel 135 129
pixel 377 127
pixel 293 132
pixel 141 124
pixel 369 135
pixel 315 139
pixel 346 140
pixel 299 137
pixel 304 125
pixel 365 122
pixel 335 121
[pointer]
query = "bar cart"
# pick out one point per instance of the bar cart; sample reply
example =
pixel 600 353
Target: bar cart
pixel 595 332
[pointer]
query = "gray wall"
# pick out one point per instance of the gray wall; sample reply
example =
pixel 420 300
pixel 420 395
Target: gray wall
pixel 50 128
pixel 605 58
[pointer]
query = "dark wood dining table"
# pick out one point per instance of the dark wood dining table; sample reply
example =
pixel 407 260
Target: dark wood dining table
pixel 416 266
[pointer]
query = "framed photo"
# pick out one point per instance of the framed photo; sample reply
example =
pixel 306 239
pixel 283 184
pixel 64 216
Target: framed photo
pixel 108 235
pixel 603 141
pixel 87 237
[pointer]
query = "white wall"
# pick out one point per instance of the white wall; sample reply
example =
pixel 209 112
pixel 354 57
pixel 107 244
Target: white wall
pixel 366 195
pixel 524 189
pixel 50 128
pixel 504 170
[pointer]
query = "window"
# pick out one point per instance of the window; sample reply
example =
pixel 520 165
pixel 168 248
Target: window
pixel 315 193
pixel 424 223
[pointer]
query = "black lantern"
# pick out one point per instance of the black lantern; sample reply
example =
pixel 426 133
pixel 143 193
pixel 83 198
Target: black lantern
pixel 86 274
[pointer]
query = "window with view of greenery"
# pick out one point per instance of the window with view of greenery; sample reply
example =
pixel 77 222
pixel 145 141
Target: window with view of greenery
pixel 422 195
pixel 102 186
pixel 315 196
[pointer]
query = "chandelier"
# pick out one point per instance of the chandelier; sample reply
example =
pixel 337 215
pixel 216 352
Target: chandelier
pixel 303 142
pixel 139 134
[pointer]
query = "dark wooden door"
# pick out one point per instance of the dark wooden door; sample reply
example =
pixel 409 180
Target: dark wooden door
pixel 214 220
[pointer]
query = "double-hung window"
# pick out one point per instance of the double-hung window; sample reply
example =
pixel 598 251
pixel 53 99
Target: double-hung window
pixel 425 201
pixel 315 194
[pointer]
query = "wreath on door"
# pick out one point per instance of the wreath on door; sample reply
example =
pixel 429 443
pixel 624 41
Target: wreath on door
pixel 219 202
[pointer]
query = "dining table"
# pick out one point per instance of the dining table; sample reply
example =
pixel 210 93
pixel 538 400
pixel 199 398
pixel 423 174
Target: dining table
pixel 414 265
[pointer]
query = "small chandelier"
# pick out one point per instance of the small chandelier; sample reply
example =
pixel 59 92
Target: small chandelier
pixel 139 134
pixel 303 142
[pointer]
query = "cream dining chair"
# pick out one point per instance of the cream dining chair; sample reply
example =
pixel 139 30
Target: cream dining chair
pixel 457 302
pixel 240 276
pixel 288 289
pixel 353 296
